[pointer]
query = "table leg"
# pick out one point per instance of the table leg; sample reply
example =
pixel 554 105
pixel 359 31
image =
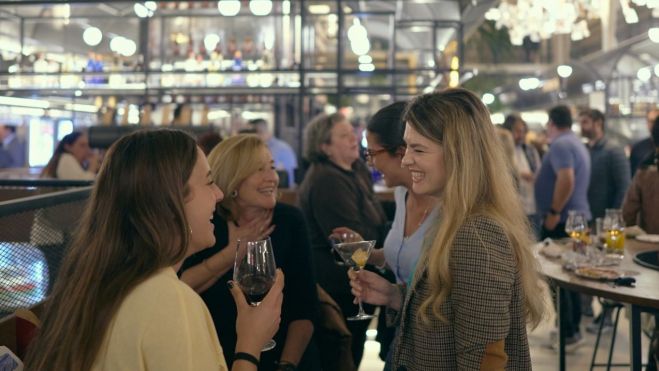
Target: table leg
pixel 635 345
pixel 561 328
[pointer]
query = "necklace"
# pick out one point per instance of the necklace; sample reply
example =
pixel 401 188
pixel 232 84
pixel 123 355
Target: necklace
pixel 418 225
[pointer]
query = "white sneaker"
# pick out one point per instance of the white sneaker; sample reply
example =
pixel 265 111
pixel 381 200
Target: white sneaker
pixel 571 344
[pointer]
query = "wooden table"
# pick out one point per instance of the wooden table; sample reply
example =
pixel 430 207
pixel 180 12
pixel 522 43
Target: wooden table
pixel 643 297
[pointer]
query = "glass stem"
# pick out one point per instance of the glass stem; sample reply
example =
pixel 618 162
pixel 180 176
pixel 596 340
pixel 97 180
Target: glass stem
pixel 359 300
pixel 361 309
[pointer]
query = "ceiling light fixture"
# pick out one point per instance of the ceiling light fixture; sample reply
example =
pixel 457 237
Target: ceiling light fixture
pixel 92 36
pixel 653 34
pixel 210 41
pixel 644 74
pixel 540 19
pixel 260 7
pixel 228 8
pixel 564 71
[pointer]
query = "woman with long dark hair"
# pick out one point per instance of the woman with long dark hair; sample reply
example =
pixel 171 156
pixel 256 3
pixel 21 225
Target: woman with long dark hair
pixel 118 304
pixel 73 159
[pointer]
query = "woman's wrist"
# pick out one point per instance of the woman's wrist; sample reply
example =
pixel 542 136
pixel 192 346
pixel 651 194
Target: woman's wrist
pixel 247 357
pixel 211 263
pixel 249 347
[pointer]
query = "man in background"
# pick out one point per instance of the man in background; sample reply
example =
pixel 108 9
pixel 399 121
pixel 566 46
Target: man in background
pixel 527 164
pixel 610 177
pixel 610 174
pixel 12 149
pixel 562 185
pixel 645 147
pixel 282 152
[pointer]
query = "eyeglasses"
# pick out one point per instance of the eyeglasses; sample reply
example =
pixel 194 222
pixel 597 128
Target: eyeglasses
pixel 371 153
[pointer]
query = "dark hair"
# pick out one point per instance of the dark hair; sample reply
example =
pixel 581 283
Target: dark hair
pixel 511 119
pixel 654 134
pixel 11 128
pixel 317 133
pixel 148 104
pixel 134 224
pixel 594 115
pixel 388 125
pixel 179 110
pixel 561 116
pixel 247 131
pixel 255 122
pixel 50 171
pixel 208 141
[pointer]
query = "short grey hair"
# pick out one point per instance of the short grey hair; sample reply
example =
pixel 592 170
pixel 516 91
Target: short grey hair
pixel 317 133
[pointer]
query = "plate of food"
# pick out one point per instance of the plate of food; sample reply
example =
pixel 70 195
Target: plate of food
pixel 634 231
pixel 653 238
pixel 598 273
pixel 550 249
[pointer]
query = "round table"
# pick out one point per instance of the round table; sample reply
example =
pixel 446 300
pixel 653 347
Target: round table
pixel 643 297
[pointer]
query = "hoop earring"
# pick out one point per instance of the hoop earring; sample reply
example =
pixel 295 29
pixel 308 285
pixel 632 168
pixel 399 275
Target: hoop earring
pixel 234 194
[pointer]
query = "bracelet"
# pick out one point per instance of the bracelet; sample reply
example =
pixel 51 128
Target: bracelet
pixel 286 366
pixel 246 357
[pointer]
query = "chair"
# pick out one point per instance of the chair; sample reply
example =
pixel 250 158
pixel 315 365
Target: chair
pixel 607 307
pixel 332 336
pixel 27 325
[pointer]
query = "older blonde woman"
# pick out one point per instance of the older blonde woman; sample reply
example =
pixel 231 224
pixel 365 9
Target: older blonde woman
pixel 243 167
pixel 337 192
pixel 476 286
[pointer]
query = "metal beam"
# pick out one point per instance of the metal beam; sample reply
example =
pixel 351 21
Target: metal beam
pixel 507 68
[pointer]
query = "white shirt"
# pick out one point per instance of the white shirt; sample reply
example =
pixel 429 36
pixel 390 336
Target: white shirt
pixel 526 188
pixel 69 168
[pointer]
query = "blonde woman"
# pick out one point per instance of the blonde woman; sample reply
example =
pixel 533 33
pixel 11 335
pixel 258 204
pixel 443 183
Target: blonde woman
pixel 475 287
pixel 243 166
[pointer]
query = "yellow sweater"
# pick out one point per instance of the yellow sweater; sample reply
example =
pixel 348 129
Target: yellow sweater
pixel 161 325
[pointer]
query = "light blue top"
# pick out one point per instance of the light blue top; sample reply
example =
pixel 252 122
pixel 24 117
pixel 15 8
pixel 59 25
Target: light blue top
pixel 565 151
pixel 284 158
pixel 401 253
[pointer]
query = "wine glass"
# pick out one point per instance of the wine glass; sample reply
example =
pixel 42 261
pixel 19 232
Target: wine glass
pixel 576 225
pixel 614 226
pixel 338 238
pixel 254 271
pixel 355 254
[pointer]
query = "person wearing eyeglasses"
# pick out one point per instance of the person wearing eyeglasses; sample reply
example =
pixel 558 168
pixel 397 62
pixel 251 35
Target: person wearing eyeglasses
pixel 337 191
pixel 415 213
pixel 476 286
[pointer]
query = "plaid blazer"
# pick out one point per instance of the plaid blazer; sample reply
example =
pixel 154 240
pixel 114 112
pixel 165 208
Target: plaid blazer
pixel 486 305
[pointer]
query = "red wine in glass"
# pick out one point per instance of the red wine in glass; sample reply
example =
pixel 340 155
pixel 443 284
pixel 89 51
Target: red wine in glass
pixel 254 270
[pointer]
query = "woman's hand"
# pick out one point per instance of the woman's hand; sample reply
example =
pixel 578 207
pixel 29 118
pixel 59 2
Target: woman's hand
pixel 374 289
pixel 257 229
pixel 93 162
pixel 256 325
pixel 345 234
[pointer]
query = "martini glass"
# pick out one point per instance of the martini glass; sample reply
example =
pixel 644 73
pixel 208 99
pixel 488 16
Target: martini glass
pixel 355 255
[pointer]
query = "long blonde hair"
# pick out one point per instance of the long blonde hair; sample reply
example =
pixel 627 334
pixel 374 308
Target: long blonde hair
pixel 134 224
pixel 231 162
pixel 477 183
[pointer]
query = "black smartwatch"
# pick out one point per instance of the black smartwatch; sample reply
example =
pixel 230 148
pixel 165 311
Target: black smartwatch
pixel 553 212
